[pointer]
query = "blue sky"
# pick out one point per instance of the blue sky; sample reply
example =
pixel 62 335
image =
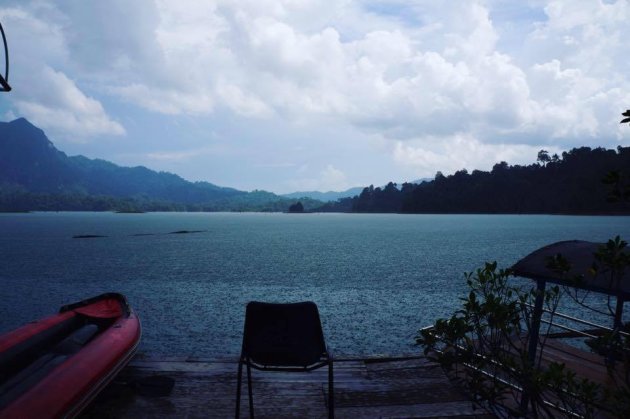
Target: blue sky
pixel 318 95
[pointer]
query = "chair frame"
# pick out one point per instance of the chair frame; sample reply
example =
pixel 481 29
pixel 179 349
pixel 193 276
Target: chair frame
pixel 326 358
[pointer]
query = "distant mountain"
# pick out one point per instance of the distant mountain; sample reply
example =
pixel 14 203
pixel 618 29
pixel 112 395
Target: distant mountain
pixel 325 196
pixel 334 196
pixel 34 175
pixel 29 159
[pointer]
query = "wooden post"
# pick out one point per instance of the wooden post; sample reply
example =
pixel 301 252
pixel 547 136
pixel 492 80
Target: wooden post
pixel 533 335
pixel 617 326
pixel 618 312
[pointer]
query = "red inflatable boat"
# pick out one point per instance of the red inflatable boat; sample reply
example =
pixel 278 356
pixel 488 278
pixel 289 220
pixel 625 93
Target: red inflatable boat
pixel 55 366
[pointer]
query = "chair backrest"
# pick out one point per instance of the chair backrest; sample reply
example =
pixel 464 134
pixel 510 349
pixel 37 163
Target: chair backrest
pixel 284 335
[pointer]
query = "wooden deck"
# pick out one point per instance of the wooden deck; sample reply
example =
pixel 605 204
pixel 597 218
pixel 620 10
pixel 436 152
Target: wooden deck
pixel 364 388
pixel 585 364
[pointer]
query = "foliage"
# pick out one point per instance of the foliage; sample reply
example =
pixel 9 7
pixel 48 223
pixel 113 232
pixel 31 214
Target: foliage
pixel 572 185
pixel 543 157
pixel 487 340
pixel 297 207
pixel 485 344
pixel 387 199
pixel 35 176
pixel 612 261
pixel 15 198
pixel 619 186
pixel 617 180
pixel 340 205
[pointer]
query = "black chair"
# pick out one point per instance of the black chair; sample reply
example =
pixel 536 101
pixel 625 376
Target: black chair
pixel 283 337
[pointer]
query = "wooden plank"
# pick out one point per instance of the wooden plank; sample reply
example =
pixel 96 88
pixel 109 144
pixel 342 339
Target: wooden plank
pixel 443 410
pixel 386 397
pixel 585 364
pixel 392 364
pixel 408 374
pixel 363 388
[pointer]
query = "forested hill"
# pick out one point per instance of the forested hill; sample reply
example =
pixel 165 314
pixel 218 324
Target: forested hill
pixel 34 175
pixel 570 184
pixel 29 159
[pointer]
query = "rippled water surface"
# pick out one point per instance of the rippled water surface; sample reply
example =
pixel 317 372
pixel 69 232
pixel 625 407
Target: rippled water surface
pixel 375 278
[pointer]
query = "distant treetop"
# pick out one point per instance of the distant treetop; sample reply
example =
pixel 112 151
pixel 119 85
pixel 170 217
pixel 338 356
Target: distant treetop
pixel 566 184
pixel 297 207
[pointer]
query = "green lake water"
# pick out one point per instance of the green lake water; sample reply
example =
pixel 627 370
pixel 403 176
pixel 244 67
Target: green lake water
pixel 376 278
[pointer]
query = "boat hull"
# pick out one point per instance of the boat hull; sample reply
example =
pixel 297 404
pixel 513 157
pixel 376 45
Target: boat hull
pixel 73 375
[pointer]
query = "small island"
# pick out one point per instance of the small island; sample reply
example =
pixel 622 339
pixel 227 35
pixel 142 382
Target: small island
pixel 296 208
pixel 88 236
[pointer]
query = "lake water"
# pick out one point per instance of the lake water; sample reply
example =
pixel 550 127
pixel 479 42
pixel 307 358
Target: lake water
pixel 376 278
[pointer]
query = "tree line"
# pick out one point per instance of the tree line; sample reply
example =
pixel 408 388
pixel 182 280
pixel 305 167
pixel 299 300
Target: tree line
pixel 566 184
pixel 16 198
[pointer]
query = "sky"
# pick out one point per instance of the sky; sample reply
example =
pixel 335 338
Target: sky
pixel 300 95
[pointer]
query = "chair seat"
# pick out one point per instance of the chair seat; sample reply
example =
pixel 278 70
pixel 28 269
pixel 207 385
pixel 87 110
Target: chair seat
pixel 285 358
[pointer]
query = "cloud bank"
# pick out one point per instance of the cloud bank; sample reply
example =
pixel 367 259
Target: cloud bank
pixel 453 86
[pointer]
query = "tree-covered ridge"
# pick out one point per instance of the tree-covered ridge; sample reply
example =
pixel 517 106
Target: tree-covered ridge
pixel 35 176
pixel 567 184
pixel 17 199
pixel 29 160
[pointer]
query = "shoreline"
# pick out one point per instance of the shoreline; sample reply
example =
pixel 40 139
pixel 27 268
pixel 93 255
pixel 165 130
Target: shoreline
pixel 562 214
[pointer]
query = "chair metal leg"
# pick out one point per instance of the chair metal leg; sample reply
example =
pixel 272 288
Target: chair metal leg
pixel 238 389
pixel 331 392
pixel 249 388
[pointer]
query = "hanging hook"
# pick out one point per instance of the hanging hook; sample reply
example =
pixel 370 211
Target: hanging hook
pixel 4 81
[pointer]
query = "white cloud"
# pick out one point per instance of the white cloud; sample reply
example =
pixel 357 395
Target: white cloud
pixel 165 101
pixel 188 155
pixel 425 77
pixel 328 179
pixel 9 116
pixel 437 74
pixel 439 78
pixel 580 76
pixel 242 103
pixel 449 154
pixel 173 155
pixel 334 178
pixel 41 93
pixel 64 109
